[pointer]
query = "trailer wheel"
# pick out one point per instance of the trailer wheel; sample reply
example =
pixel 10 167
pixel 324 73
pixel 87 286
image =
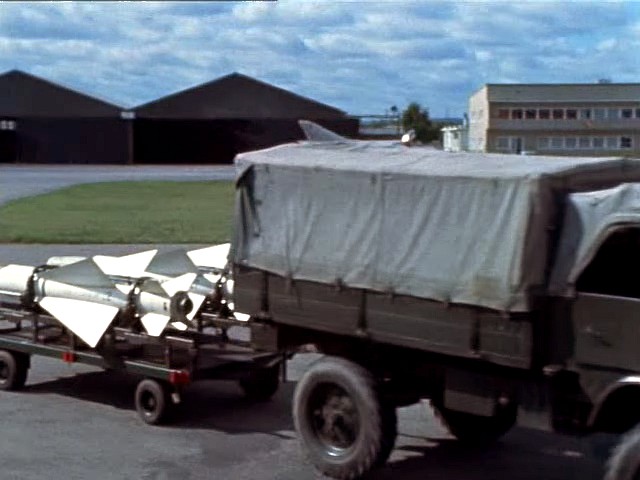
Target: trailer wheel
pixel 153 402
pixel 477 429
pixel 14 367
pixel 624 463
pixel 342 420
pixel 262 384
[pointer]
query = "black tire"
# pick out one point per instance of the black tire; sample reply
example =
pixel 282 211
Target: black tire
pixel 624 463
pixel 153 401
pixel 14 367
pixel 342 420
pixel 477 429
pixel 262 384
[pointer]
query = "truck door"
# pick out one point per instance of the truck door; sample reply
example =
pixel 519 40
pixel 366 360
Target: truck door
pixel 606 312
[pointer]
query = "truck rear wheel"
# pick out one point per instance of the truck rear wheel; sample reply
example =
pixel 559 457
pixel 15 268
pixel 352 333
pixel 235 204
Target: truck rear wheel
pixel 14 367
pixel 342 420
pixel 624 463
pixel 477 429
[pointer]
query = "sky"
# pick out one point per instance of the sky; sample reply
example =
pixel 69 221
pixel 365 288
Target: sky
pixel 362 56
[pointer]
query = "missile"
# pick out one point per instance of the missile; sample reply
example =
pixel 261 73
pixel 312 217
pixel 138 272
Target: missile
pixel 86 300
pixel 168 288
pixel 168 266
pixel 207 258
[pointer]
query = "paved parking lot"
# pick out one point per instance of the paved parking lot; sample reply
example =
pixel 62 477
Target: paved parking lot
pixel 74 422
pixel 24 180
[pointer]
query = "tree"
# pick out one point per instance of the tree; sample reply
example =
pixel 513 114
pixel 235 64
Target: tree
pixel 416 118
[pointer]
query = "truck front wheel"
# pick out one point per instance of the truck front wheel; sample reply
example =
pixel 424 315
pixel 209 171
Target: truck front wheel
pixel 624 463
pixel 345 424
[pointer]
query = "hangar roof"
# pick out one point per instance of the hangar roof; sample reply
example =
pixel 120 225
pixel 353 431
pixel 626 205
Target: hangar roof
pixel 25 95
pixel 236 96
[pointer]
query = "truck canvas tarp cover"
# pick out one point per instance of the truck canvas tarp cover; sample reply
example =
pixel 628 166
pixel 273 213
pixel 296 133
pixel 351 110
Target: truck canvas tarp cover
pixel 453 227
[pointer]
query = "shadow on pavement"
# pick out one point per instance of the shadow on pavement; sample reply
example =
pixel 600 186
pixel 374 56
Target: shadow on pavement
pixel 521 455
pixel 215 405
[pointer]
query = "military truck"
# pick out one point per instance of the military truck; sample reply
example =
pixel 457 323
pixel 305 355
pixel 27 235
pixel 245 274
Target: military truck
pixel 503 288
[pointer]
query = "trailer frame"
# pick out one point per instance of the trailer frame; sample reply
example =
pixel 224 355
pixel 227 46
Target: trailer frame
pixel 166 364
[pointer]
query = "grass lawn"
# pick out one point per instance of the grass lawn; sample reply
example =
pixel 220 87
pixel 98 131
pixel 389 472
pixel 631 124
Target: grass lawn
pixel 123 212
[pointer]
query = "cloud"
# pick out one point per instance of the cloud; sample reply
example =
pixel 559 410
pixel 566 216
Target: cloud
pixel 361 56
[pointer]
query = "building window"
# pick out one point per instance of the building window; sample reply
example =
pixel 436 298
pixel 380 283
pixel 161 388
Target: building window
pixel 598 143
pixel 599 113
pixel 516 114
pixel 585 113
pixel 572 114
pixel 502 143
pixel 612 143
pixel 7 125
pixel 570 143
pixel 503 113
pixel 625 142
pixel 556 142
pixel 544 114
pixel 543 143
pixel 626 112
pixel 558 113
pixel 637 112
pixel 530 114
pixel 584 143
pixel 613 113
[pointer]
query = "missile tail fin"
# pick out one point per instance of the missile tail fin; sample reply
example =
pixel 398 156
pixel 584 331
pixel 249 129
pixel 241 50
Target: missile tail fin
pixel 211 257
pixel 133 265
pixel 179 284
pixel 197 301
pixel 154 323
pixel 87 320
pixel 172 264
pixel 84 274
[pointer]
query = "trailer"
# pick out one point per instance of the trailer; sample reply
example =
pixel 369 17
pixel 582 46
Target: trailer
pixel 501 288
pixel 166 364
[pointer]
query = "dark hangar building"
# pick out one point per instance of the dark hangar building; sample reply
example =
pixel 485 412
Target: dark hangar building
pixel 212 122
pixel 42 122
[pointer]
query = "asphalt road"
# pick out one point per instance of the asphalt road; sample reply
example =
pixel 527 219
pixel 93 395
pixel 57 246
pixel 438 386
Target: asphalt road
pixel 25 180
pixel 75 422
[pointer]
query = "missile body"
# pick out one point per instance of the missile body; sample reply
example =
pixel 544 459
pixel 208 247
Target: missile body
pixel 84 299
pixel 87 294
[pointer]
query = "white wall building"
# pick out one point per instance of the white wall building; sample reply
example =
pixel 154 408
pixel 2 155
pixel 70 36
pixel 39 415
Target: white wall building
pixel 565 119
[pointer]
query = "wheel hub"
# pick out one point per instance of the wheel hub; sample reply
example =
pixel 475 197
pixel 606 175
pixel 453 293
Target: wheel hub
pixel 149 402
pixel 335 420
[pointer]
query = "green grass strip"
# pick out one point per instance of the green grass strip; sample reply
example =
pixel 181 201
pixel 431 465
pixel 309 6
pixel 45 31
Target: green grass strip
pixel 123 212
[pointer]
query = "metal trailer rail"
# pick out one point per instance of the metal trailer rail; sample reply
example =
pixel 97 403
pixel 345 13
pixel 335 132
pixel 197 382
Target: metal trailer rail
pixel 166 364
